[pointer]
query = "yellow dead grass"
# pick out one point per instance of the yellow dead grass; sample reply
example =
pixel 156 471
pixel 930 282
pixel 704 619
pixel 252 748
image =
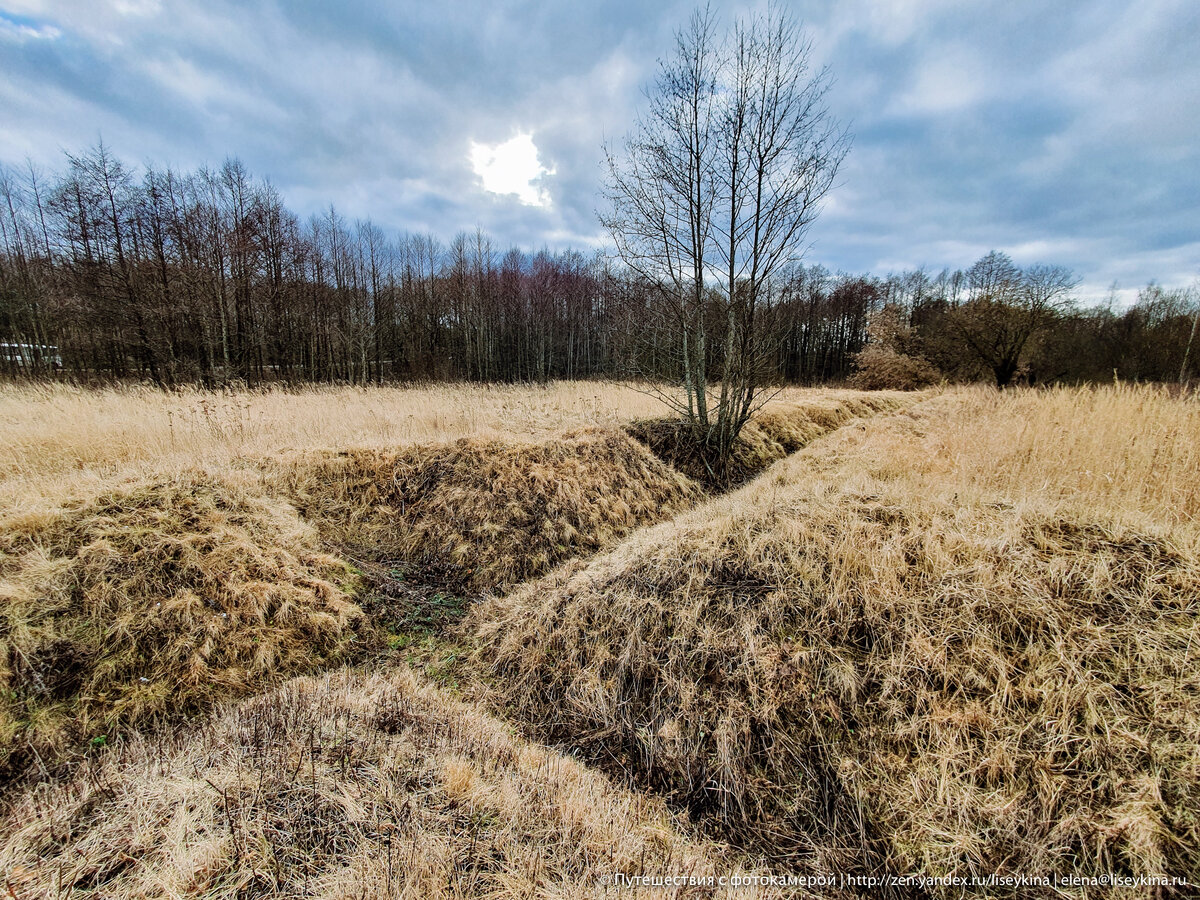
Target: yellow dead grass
pixel 157 598
pixel 59 441
pixel 487 513
pixel 1124 452
pixel 153 602
pixel 345 786
pixel 958 639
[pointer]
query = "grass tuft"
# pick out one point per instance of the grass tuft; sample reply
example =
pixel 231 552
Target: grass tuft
pixel 486 514
pixel 151 603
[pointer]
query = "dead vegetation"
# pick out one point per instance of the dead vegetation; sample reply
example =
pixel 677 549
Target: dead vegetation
pixel 155 600
pixel 493 514
pixel 923 645
pixel 151 604
pixel 344 786
pixel 961 638
pixel 59 442
pixel 883 368
pixel 781 428
pixel 487 514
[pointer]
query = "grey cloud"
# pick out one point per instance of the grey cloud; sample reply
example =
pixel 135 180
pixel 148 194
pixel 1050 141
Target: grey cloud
pixel 1064 129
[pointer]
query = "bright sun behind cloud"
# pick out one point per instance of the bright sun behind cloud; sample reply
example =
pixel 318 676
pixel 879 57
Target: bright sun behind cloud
pixel 512 168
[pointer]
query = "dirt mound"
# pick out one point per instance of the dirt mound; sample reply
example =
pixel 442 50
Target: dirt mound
pixel 776 431
pixel 344 786
pixel 488 513
pixel 153 602
pixel 870 681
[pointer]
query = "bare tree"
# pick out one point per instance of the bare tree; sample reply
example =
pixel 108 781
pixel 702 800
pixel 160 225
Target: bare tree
pixel 1008 307
pixel 711 197
pixel 661 191
pixel 1187 352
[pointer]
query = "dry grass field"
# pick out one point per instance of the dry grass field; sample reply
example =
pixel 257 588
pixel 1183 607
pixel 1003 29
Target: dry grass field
pixel 944 633
pixel 963 638
pixel 344 786
pixel 60 440
pixel 151 590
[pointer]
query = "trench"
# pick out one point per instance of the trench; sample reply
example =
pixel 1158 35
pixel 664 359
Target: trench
pixel 413 526
pixel 418 605
pixel 423 582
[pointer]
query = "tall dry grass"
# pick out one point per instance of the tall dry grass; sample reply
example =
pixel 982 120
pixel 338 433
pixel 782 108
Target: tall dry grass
pixel 370 786
pixel 61 441
pixel 1127 452
pixel 58 440
pixel 962 638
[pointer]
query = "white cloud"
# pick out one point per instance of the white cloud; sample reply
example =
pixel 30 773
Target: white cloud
pixel 512 168
pixel 15 31
pixel 946 83
pixel 137 7
pixel 1060 132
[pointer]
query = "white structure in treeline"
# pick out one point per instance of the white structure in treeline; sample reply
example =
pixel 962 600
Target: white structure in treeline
pixel 27 356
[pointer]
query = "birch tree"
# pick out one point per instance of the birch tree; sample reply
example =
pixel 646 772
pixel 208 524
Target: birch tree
pixel 711 197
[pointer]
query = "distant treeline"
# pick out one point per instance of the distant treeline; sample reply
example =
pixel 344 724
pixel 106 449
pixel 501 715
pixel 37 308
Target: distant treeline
pixel 207 277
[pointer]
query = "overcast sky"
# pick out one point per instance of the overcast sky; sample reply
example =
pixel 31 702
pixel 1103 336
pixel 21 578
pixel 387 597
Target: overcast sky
pixel 1060 132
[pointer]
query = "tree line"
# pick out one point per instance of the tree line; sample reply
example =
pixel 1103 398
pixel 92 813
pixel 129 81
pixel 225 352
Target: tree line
pixel 207 277
pixel 1000 322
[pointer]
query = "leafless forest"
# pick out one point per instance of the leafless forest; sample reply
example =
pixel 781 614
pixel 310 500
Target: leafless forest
pixel 207 276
